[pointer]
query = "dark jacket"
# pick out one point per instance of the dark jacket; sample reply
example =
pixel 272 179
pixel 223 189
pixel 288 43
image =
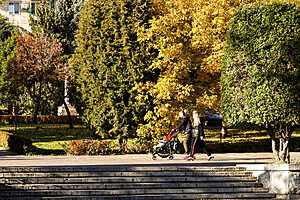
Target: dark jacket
pixel 185 125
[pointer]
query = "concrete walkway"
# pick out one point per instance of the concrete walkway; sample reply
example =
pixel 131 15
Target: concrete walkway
pixel 227 159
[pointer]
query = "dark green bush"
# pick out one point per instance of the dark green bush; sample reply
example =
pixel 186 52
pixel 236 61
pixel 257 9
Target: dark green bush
pixel 15 143
pixel 42 119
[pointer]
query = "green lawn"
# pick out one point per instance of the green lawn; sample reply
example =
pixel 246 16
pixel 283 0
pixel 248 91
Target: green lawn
pixel 246 141
pixel 49 139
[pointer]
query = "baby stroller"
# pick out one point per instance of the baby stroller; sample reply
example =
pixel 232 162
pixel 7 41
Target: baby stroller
pixel 165 147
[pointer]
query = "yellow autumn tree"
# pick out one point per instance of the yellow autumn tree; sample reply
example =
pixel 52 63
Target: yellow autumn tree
pixel 190 37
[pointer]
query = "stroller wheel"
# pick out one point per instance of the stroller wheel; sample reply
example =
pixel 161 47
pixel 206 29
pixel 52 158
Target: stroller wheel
pixel 171 157
pixel 153 157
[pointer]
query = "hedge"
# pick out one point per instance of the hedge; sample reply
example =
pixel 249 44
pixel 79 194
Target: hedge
pixel 89 147
pixel 43 119
pixel 15 143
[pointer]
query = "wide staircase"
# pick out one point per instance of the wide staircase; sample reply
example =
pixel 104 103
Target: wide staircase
pixel 296 193
pixel 130 182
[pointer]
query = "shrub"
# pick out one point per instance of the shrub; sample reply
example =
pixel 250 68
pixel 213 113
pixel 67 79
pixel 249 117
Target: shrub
pixel 42 119
pixel 140 146
pixel 89 147
pixel 4 139
pixel 15 143
pixel 52 119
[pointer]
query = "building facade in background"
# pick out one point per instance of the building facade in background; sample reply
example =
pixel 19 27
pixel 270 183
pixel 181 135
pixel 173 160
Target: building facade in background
pixel 17 12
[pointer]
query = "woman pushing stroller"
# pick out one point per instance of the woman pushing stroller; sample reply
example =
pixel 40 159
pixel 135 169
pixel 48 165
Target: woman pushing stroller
pixel 186 126
pixel 194 132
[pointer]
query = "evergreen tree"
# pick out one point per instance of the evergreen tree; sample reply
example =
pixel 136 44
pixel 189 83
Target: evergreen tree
pixel 44 20
pixel 108 62
pixel 7 45
pixel 6 29
pixel 60 22
pixel 66 15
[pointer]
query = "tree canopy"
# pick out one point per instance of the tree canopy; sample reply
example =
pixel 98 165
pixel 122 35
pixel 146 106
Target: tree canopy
pixel 59 23
pixel 6 29
pixel 8 36
pixel 190 37
pixel 260 71
pixel 37 64
pixel 108 61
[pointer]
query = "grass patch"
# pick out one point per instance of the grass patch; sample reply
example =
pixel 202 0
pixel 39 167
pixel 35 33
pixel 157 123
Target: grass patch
pixel 239 141
pixel 50 132
pixel 50 139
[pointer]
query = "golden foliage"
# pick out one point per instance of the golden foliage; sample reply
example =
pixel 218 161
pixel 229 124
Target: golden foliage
pixel 190 36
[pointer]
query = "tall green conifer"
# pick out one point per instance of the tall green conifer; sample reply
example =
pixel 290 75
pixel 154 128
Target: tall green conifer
pixel 7 45
pixel 109 61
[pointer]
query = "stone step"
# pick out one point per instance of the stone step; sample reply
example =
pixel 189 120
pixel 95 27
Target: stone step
pixel 127 174
pixel 295 196
pixel 130 182
pixel 230 196
pixel 119 169
pixel 129 186
pixel 125 180
pixel 131 192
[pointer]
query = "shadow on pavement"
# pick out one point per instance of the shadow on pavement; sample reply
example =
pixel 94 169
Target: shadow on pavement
pixel 4 152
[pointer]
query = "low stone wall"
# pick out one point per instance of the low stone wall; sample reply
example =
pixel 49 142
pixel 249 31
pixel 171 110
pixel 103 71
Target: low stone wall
pixel 281 179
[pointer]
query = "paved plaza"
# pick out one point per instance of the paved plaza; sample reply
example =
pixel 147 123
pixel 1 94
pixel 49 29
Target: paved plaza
pixel 10 159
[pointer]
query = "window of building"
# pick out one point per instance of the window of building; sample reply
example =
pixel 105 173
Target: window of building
pixel 32 8
pixel 14 8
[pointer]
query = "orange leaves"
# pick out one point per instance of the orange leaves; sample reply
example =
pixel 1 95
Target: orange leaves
pixel 38 59
pixel 37 54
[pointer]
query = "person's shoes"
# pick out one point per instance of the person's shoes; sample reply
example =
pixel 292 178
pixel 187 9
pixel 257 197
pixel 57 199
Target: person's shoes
pixel 210 158
pixel 188 156
pixel 191 158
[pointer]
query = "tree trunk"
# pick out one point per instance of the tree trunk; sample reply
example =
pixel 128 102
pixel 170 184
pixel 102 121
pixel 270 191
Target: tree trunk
pixel 35 112
pixel 223 131
pixel 284 151
pixel 273 139
pixel 281 150
pixel 123 143
pixel 69 114
pixel 36 97
pixel 285 132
